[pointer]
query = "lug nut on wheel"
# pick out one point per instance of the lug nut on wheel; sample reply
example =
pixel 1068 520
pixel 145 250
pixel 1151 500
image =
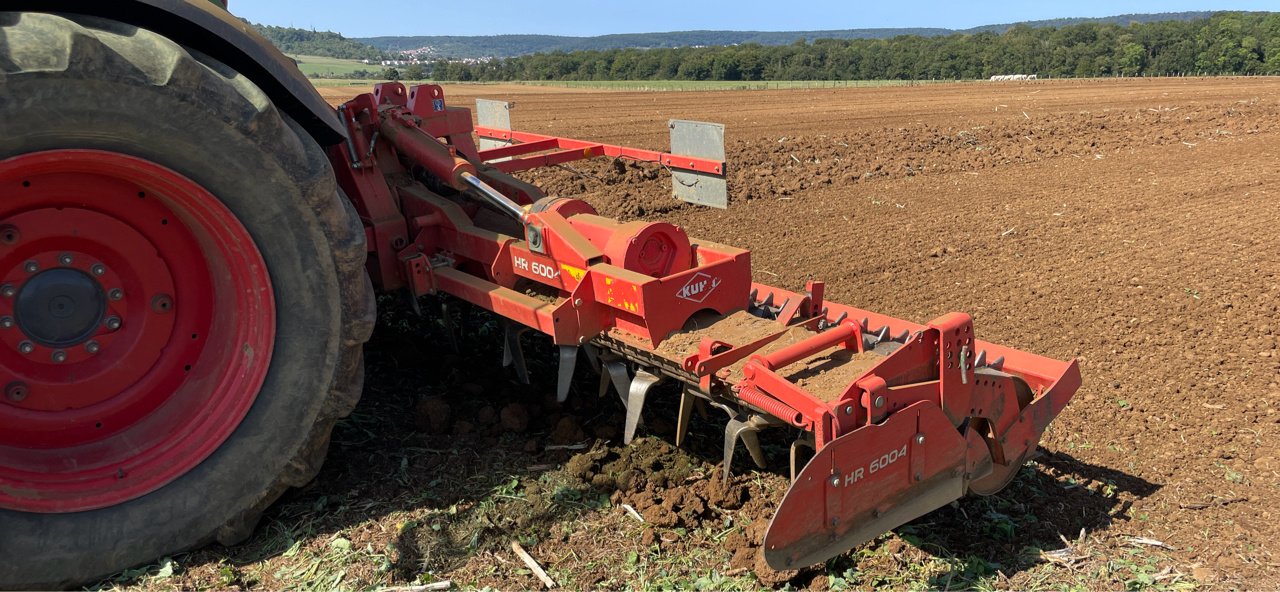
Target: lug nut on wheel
pixel 98 269
pixel 113 323
pixel 26 347
pixel 6 322
pixel 31 266
pixel 93 347
pixel 58 356
pixel 65 259
pixel 115 294
pixel 7 291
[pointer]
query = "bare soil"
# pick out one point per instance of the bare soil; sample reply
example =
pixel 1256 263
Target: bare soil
pixel 1128 224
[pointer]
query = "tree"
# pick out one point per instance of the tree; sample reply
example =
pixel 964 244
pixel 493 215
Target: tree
pixel 415 72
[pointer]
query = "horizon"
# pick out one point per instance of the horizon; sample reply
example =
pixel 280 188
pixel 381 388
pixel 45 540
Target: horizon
pixel 585 18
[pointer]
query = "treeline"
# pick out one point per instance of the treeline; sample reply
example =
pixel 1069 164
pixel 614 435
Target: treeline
pixel 317 43
pixel 503 46
pixel 1226 43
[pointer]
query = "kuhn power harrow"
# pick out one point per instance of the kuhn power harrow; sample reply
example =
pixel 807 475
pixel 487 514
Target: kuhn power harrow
pixel 901 418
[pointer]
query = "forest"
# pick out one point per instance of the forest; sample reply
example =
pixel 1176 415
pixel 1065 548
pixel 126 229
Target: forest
pixel 1225 43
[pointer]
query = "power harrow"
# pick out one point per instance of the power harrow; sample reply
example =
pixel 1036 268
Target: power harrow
pixel 899 418
pixel 191 237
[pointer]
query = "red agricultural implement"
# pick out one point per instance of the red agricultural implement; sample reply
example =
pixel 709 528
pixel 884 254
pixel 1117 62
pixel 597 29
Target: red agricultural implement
pixel 189 239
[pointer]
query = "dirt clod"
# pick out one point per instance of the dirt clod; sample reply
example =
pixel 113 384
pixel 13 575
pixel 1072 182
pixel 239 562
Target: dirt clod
pixel 432 414
pixel 515 417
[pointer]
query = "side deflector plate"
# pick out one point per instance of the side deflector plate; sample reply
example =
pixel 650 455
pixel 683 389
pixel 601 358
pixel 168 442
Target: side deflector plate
pixel 868 482
pixel 702 140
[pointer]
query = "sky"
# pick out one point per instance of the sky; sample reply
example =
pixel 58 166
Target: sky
pixel 371 18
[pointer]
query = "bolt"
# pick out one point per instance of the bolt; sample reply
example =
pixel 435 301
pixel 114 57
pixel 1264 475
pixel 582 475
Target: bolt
pixel 7 291
pixel 879 402
pixel 58 356
pixel 835 522
pixel 65 259
pixel 98 269
pixel 113 323
pixel 875 513
pixel 6 322
pixel 919 438
pixel 16 391
pixel 115 294
pixel 577 302
pixel 26 347
pixel 161 303
pixel 919 477
pixel 9 235
pixel 31 266
pixel 93 347
pixel 835 481
pixel 848 409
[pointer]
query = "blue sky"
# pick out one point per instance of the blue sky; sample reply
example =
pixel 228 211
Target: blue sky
pixel 369 18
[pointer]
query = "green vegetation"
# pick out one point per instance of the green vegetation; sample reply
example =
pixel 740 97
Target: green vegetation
pixel 327 67
pixel 1226 43
pixel 502 46
pixel 317 43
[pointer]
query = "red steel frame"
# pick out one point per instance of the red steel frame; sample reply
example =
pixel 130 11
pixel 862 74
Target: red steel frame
pixel 562 150
pixel 629 286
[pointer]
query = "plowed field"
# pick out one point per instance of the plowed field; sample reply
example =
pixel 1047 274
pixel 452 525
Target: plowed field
pixel 1130 224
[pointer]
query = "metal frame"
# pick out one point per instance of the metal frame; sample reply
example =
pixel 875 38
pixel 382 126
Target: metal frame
pixel 939 414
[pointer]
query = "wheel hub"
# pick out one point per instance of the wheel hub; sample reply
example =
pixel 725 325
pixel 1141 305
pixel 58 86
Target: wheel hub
pixel 137 321
pixel 60 307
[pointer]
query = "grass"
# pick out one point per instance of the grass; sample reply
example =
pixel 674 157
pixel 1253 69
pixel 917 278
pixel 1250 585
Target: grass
pixel 695 85
pixel 323 66
pixel 630 85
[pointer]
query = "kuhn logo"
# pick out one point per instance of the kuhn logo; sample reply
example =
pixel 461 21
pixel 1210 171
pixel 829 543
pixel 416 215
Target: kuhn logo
pixel 698 287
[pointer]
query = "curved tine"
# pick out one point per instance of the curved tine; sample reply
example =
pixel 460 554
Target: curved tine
pixel 568 361
pixel 687 400
pixel 620 376
pixel 636 395
pixel 593 356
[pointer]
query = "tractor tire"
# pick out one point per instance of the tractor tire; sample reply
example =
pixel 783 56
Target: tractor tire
pixel 148 192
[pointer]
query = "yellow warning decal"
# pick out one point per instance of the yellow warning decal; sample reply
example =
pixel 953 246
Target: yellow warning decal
pixel 574 272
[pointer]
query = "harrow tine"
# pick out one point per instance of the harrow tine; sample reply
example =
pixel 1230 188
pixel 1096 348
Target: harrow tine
pixel 981 360
pixel 687 401
pixel 768 301
pixel 512 353
pixel 568 361
pixel 804 441
pixel 745 430
pixel 620 377
pixel 752 297
pixel 446 316
pixel 882 334
pixel 840 319
pixel 636 395
pixel 906 334
pixel 997 364
pixel 593 356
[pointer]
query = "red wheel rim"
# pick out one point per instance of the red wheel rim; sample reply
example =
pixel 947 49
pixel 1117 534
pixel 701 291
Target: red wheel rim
pixel 137 323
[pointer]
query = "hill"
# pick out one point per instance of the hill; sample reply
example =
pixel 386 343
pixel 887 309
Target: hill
pixel 328 44
pixel 501 46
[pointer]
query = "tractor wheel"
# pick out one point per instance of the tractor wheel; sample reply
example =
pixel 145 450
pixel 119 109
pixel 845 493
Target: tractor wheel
pixel 183 300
